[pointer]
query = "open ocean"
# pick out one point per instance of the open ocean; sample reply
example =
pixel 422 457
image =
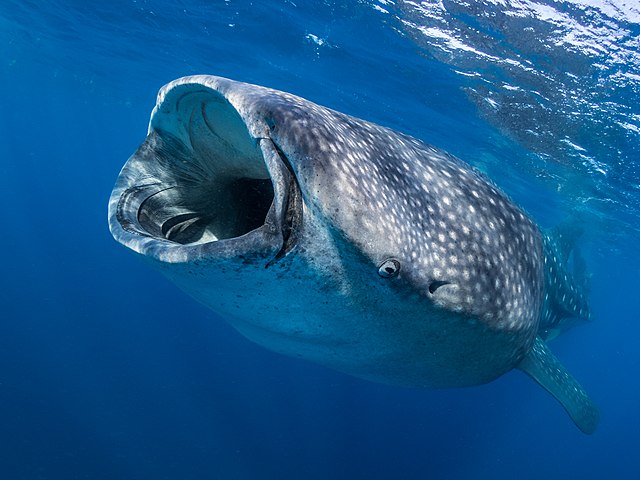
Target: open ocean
pixel 108 371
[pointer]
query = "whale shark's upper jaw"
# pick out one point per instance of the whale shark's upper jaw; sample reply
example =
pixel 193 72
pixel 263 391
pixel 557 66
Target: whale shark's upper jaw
pixel 201 186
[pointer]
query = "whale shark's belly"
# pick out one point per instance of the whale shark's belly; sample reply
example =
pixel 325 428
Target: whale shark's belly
pixel 344 325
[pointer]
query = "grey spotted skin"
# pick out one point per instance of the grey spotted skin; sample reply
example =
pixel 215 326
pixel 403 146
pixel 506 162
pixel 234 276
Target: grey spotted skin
pixel 329 238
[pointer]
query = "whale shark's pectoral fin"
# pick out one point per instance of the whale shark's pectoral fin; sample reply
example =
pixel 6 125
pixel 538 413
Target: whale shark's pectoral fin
pixel 541 365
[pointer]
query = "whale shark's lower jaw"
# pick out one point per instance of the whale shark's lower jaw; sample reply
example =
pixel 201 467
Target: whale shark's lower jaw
pixel 201 185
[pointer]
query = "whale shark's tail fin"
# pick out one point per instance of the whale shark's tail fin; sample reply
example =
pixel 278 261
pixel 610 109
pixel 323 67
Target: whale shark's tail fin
pixel 566 285
pixel 541 365
pixel 566 281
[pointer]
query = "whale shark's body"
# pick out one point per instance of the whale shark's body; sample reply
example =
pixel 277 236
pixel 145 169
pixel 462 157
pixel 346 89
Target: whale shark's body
pixel 333 239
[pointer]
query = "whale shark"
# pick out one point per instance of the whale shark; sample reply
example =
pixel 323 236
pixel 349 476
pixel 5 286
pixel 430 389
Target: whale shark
pixel 329 238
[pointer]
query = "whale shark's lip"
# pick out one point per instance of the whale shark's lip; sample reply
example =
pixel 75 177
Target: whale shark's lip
pixel 202 187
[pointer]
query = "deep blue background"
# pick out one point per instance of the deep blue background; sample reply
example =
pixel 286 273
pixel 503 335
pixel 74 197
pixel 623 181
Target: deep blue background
pixel 108 371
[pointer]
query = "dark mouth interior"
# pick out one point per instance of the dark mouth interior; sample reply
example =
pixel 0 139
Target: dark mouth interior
pixel 214 182
pixel 207 212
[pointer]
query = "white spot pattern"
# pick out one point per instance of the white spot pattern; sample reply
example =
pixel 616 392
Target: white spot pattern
pixel 443 220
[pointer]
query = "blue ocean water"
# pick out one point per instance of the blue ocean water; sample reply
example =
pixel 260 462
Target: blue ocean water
pixel 108 371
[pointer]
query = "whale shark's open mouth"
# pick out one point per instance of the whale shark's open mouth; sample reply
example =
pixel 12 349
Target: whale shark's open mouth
pixel 215 184
pixel 201 178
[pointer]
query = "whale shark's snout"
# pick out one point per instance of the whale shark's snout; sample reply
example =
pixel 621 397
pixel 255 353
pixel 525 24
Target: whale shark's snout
pixel 202 185
pixel 330 238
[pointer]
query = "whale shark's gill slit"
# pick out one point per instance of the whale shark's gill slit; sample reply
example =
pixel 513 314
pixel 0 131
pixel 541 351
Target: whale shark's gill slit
pixel 185 228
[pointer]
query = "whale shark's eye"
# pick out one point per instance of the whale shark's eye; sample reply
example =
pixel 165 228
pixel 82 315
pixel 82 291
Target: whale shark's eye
pixel 389 268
